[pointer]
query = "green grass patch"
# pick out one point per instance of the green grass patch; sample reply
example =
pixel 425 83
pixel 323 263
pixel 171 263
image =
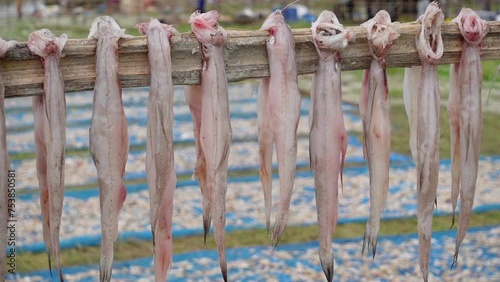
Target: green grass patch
pixel 401 131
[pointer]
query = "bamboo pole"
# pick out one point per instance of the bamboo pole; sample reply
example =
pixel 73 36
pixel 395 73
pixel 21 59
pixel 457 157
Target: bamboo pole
pixel 245 57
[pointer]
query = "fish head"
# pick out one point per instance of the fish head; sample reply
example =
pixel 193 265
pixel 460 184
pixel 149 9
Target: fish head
pixel 206 28
pixel 329 36
pixel 6 46
pixel 472 27
pixel 273 22
pixel 381 33
pixel 430 41
pixel 106 26
pixel 143 28
pixel 43 43
pixel 280 33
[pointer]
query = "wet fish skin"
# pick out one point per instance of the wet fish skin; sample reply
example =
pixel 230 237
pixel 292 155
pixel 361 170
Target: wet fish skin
pixel 466 87
pixel 215 128
pixel 109 141
pixel 4 165
pixel 430 48
pixel 160 154
pixel 375 109
pixel 50 117
pixel 328 138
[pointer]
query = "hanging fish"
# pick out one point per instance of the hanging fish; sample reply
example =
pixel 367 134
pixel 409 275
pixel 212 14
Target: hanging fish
pixel 109 142
pixel 425 106
pixel 209 104
pixel 279 105
pixel 327 138
pixel 160 167
pixel 4 166
pixel 466 118
pixel 49 112
pixel 374 106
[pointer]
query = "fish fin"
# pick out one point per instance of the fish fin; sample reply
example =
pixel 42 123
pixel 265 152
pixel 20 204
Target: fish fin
pixel 122 196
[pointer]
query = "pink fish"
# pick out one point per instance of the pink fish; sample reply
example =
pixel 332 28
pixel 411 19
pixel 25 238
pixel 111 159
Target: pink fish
pixel 328 138
pixel 4 167
pixel 160 151
pixel 50 137
pixel 425 123
pixel 108 136
pixel 466 119
pixel 279 105
pixel 374 106
pixel 212 126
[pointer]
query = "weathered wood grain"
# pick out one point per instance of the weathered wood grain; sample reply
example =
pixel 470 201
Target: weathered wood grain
pixel 245 57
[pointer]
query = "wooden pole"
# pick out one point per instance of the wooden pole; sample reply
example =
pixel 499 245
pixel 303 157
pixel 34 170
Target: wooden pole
pixel 245 57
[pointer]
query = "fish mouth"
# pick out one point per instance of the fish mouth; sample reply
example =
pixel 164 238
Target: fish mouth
pixel 273 21
pixel 432 20
pixel 207 29
pixel 472 27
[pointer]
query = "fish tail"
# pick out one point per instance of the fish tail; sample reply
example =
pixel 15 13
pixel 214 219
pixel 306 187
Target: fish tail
pixel 223 269
pixel 104 275
pixel 59 270
pixel 455 258
pixel 370 241
pixel 207 219
pixel 279 227
pixel 327 265
pixel 58 260
pixel 50 263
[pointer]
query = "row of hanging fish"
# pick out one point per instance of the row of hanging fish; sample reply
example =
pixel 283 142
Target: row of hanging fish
pixel 278 115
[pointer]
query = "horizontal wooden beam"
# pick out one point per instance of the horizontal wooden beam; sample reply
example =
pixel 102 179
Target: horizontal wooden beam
pixel 245 57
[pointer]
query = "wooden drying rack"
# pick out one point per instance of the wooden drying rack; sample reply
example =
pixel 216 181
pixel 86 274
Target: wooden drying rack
pixel 245 56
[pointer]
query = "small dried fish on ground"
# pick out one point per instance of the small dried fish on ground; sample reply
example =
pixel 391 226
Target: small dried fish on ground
pixel 160 167
pixel 278 117
pixel 374 106
pixel 327 138
pixel 209 105
pixel 4 167
pixel 466 118
pixel 109 141
pixel 49 112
